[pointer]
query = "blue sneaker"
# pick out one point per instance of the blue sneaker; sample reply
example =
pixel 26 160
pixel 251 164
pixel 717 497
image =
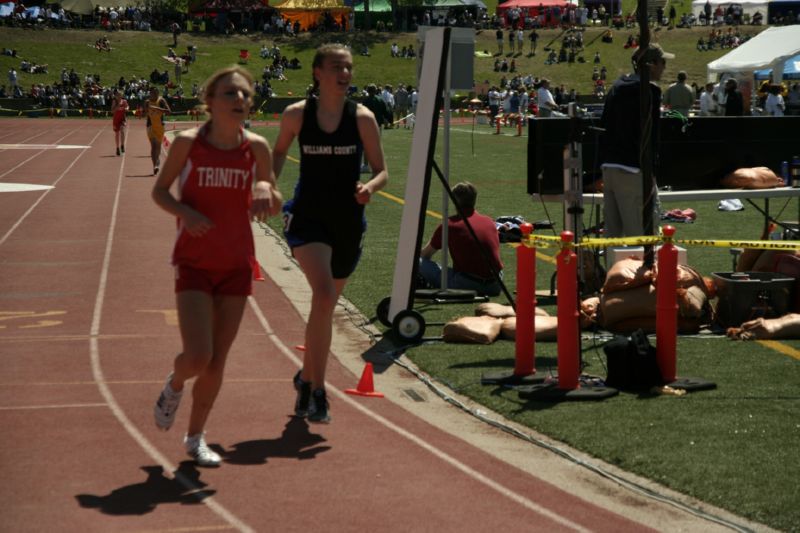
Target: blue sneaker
pixel 318 407
pixel 303 389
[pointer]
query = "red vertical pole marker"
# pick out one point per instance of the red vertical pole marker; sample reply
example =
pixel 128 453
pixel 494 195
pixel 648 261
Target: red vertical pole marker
pixel 525 339
pixel 667 306
pixel 567 285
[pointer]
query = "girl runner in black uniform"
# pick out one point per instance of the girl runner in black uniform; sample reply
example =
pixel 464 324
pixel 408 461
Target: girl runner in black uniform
pixel 324 222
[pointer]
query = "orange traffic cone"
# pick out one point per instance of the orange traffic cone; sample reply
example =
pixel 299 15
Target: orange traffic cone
pixel 365 386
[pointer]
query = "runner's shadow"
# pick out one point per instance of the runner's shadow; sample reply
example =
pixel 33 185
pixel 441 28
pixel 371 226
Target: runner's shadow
pixel 295 442
pixel 142 498
pixel 148 175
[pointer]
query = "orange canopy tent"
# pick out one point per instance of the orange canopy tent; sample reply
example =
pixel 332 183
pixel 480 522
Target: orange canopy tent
pixel 308 12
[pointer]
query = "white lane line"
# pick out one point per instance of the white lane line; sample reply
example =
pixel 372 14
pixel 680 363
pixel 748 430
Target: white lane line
pixel 22 187
pixel 31 137
pixel 37 202
pixel 52 406
pixel 474 474
pixel 42 147
pixel 108 396
pixel 34 156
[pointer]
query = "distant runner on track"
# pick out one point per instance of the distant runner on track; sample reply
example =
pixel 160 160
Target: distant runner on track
pixel 119 122
pixel 225 181
pixel 154 109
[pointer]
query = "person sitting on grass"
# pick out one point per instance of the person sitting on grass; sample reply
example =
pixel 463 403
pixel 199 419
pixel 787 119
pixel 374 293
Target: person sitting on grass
pixel 470 270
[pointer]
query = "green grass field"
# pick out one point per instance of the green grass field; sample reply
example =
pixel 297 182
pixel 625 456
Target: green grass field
pixel 734 447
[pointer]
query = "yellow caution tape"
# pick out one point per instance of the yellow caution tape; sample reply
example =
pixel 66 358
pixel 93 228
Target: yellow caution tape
pixel 542 241
pixel 761 245
pixel 621 241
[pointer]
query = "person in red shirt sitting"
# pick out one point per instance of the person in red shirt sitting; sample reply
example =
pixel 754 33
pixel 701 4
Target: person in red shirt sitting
pixel 476 261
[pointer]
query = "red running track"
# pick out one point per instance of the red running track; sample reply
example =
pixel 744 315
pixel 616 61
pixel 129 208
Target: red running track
pixel 88 332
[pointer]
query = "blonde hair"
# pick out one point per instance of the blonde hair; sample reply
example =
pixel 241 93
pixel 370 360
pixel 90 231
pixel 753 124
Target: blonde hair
pixel 210 85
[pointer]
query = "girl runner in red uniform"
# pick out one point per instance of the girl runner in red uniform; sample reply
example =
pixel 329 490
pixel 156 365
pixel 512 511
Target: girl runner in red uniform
pixel 224 180
pixel 324 222
pixel 119 108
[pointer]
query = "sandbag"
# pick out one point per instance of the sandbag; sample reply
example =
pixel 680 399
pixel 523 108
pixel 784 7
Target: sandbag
pixel 768 260
pixel 784 327
pixel 497 310
pixel 546 328
pixel 627 274
pixel 685 326
pixel 692 302
pixel 752 178
pixel 589 309
pixel 472 329
pixel 632 303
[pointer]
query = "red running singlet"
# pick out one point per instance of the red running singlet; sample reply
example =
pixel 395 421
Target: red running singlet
pixel 217 183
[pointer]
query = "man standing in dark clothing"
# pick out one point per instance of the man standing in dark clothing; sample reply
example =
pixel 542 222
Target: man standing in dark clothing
pixel 534 38
pixel 734 103
pixel 499 36
pixel 623 196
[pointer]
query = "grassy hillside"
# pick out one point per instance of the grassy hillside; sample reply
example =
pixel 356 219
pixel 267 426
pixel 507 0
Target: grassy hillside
pixel 138 53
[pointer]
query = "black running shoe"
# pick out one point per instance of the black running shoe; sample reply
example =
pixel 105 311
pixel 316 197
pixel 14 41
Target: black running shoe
pixel 117 150
pixel 122 148
pixel 303 389
pixel 318 408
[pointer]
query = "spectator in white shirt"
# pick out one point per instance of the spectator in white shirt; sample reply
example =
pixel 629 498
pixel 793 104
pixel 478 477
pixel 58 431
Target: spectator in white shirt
pixel 708 107
pixel 545 100
pixel 774 105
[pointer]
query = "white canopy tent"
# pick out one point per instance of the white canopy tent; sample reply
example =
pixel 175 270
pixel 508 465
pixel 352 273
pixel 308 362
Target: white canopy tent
pixel 770 49
pixel 749 7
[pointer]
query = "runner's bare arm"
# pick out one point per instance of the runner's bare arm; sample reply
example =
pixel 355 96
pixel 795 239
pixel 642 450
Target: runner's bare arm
pixel 291 121
pixel 267 199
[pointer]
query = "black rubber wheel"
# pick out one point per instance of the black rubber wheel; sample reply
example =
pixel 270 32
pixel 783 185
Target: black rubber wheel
pixel 382 311
pixel 409 325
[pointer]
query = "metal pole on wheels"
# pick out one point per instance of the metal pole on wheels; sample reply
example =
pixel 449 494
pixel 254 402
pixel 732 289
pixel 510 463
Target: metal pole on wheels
pixel 446 171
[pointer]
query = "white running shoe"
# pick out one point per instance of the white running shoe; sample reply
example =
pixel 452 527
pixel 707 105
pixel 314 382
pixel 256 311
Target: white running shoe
pixel 198 450
pixel 167 405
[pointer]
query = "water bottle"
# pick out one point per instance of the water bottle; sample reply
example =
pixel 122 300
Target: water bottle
pixel 785 173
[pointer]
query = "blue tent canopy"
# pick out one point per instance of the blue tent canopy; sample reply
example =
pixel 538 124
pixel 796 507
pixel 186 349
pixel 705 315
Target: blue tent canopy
pixel 791 70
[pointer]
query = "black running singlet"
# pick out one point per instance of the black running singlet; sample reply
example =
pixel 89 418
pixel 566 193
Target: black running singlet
pixel 329 167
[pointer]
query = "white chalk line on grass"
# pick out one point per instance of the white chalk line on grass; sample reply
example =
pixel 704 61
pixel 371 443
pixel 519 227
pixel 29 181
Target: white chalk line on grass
pixel 419 441
pixel 108 396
